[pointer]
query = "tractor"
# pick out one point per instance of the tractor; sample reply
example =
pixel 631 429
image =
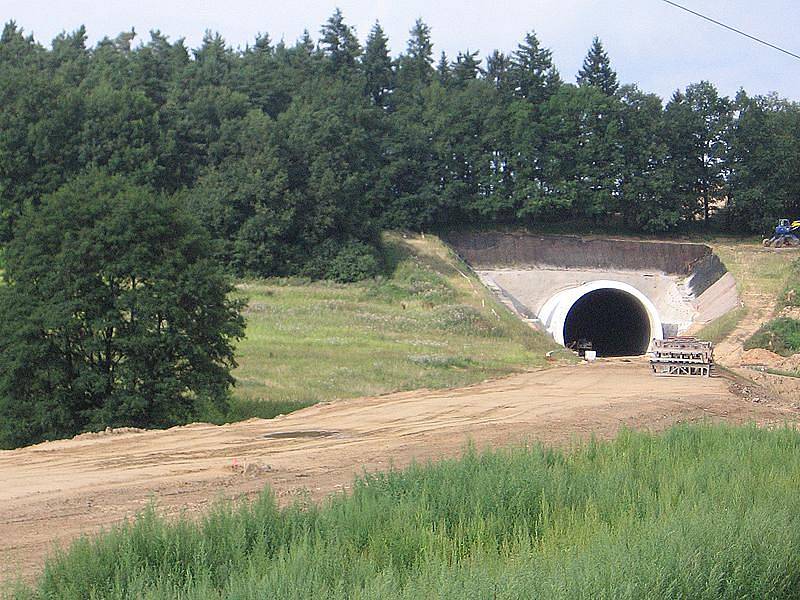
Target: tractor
pixel 786 234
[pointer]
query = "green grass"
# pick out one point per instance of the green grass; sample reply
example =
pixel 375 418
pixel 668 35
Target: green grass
pixel 754 267
pixel 790 295
pixel 781 336
pixel 721 327
pixel 430 324
pixel 697 512
pixel 782 373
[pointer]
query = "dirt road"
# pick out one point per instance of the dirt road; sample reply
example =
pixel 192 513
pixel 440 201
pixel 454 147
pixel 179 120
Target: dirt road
pixel 54 491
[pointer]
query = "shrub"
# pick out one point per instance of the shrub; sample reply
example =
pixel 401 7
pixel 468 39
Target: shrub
pixel 781 336
pixel 354 261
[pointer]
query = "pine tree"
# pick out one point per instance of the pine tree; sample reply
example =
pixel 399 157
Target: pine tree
pixel 532 73
pixel 339 43
pixel 597 71
pixel 466 67
pixel 497 65
pixel 416 65
pixel 377 64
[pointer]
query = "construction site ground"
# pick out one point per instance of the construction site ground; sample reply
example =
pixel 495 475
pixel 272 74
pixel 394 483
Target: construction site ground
pixel 53 492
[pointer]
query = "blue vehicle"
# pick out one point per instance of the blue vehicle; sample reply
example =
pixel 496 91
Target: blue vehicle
pixel 786 234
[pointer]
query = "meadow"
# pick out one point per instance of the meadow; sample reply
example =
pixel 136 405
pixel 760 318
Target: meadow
pixel 427 323
pixel 703 511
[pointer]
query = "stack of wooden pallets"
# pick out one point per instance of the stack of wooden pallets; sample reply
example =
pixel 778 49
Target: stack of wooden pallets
pixel 682 356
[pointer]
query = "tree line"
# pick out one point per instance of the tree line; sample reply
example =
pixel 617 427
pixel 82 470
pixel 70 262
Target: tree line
pixel 295 156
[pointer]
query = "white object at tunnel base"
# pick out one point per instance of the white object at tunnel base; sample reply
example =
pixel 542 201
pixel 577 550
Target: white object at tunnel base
pixel 554 312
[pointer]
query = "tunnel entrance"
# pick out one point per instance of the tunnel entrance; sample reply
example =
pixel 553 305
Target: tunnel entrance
pixel 614 321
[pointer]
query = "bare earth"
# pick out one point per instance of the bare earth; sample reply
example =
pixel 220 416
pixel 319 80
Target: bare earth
pixel 55 491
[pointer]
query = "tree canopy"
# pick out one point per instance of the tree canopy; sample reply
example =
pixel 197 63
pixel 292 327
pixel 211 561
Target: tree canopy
pixel 114 312
pixel 295 153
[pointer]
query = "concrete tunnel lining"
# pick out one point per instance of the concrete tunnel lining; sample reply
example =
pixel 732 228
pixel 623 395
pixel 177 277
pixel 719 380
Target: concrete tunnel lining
pixel 555 313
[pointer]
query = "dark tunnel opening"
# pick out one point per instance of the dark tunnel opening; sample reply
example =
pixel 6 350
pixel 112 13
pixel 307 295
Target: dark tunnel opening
pixel 614 321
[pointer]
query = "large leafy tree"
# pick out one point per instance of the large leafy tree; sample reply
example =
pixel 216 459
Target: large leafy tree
pixel 114 313
pixel 764 181
pixel 645 201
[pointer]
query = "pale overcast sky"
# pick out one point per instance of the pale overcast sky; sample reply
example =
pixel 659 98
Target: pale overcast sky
pixel 651 43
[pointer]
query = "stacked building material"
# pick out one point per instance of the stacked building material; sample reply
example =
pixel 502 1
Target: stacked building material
pixel 682 356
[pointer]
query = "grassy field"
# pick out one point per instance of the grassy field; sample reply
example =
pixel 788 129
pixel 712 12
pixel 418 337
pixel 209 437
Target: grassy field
pixel 429 324
pixel 697 512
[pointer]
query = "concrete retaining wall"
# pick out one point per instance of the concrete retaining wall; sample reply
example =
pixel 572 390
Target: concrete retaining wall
pixel 503 250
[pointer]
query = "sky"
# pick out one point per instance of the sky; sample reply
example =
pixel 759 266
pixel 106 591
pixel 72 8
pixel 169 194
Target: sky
pixel 650 43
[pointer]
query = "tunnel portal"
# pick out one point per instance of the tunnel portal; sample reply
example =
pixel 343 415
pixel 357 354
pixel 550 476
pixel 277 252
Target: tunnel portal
pixel 614 321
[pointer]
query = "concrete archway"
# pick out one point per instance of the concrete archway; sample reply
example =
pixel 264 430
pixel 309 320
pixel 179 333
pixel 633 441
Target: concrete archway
pixel 615 316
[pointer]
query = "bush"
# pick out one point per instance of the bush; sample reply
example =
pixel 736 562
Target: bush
pixel 781 336
pixel 354 261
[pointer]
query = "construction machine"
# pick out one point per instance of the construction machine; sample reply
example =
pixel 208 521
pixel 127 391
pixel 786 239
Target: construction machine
pixel 786 234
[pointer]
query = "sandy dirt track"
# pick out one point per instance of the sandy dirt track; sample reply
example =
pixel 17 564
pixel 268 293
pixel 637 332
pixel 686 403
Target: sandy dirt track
pixel 54 491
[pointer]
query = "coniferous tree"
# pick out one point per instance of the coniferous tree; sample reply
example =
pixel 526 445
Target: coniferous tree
pixel 466 67
pixel 377 65
pixel 339 43
pixel 497 65
pixel 597 71
pixel 443 71
pixel 532 74
pixel 416 65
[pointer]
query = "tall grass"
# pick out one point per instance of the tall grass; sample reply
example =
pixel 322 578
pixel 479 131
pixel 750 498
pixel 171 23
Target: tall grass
pixel 697 512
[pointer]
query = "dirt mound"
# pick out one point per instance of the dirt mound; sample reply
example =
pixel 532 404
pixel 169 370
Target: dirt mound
pixel 108 431
pixel 761 357
pixel 791 364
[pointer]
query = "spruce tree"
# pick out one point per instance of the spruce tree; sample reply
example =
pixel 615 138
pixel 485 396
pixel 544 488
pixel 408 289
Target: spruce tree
pixel 532 73
pixel 497 65
pixel 597 71
pixel 466 67
pixel 339 43
pixel 416 65
pixel 377 64
pixel 443 72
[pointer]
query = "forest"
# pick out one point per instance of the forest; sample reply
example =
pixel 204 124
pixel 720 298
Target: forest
pixel 294 156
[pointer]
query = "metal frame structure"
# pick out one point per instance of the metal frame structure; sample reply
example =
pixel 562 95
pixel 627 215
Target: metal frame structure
pixel 682 356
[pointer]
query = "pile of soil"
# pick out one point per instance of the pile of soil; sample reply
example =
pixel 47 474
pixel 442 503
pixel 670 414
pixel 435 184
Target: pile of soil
pixel 791 364
pixel 762 357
